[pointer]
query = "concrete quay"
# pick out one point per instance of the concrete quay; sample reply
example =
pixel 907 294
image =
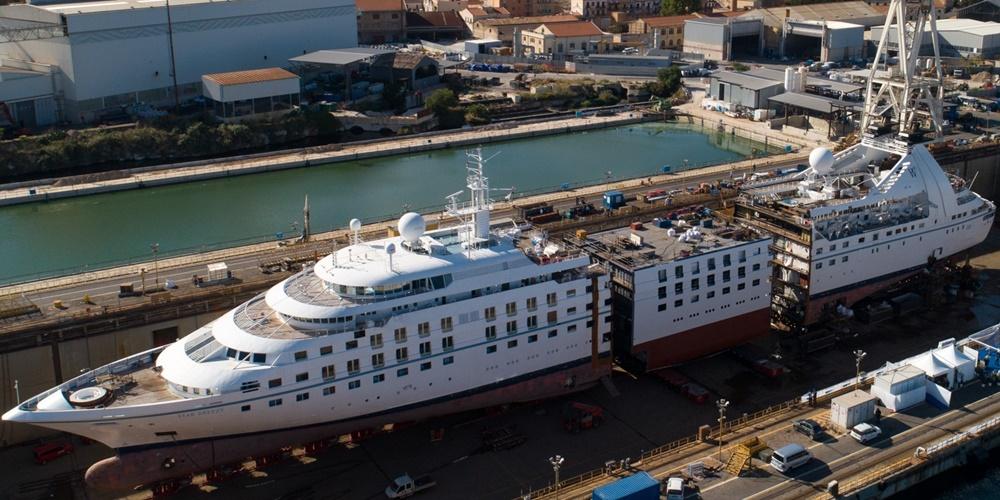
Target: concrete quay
pixel 136 178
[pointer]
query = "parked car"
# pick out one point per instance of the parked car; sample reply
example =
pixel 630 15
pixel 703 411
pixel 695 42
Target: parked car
pixel 788 457
pixel 47 452
pixel 865 433
pixel 675 488
pixel 808 427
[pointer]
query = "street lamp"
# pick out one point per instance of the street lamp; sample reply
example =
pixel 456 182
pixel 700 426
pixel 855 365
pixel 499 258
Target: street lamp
pixel 722 404
pixel 155 247
pixel 556 462
pixel 858 356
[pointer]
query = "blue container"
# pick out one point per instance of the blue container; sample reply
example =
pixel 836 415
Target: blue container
pixel 707 223
pixel 613 199
pixel 639 486
pixel 662 223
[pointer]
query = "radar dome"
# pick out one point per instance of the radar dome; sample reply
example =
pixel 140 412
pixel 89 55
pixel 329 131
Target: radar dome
pixel 355 224
pixel 411 226
pixel 821 160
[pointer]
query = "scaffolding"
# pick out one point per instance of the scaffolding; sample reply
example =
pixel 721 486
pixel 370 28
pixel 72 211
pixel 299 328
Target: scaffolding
pixel 23 30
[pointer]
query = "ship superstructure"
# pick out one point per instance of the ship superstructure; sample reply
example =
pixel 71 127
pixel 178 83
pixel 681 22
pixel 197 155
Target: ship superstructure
pixel 407 327
pixel 684 287
pixel 863 219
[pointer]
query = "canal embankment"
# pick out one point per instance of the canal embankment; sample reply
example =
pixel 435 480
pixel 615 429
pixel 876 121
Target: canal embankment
pixel 136 178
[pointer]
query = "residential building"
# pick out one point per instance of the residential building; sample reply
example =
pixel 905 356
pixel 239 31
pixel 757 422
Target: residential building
pixel 516 8
pixel 503 29
pixel 560 40
pixel 474 13
pixel 448 5
pixel 112 55
pixel 601 8
pixel 666 31
pixel 381 21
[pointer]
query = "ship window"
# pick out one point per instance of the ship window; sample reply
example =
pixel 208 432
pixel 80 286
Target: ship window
pixel 553 333
pixel 448 360
pixel 274 402
pixel 511 327
pixel 833 248
pixel 662 292
pixel 571 328
pixel 531 303
pixel 275 382
pixel 400 335
pixel 250 386
pixel 710 295
pixel 360 334
pixel 844 258
pixel 694 284
pixel 861 239
pixel 695 298
pixel 448 343
pixel 571 292
pixel 329 390
pixel 755 282
pixel 726 276
pixel 328 372
pixel 741 272
pixel 843 245
pixel 678 287
pixel 259 357
pixel 571 311
pixel 819 265
pixel 425 348
pixel 711 279
pixel 756 267
pixel 446 324
pixel 245 408
pixel 662 275
pixel 490 313
pixel 679 272
pixel 819 251
pixel 511 308
pixel 711 264
pixel 378 378
pixel 378 360
pixel 511 344
pixel 532 338
pixel 354 366
pixel 300 356
pixel 532 321
pixel 550 299
pixel 351 344
pixel 230 352
pixel 678 302
pixel 302 377
pixel 425 366
pixel 354 384
pixel 196 390
pixel 302 397
pixel 661 307
pixel 490 349
pixel 831 262
pixel 552 317
pixel 424 329
pixel 741 286
pixel 491 332
pixel 402 372
pixel 725 290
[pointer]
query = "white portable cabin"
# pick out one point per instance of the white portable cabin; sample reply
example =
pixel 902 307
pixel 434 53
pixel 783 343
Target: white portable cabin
pixel 901 388
pixel 851 409
pixel 947 365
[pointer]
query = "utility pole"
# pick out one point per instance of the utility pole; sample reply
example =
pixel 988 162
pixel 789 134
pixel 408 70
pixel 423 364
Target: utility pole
pixel 155 247
pixel 556 462
pixel 173 62
pixel 858 356
pixel 722 404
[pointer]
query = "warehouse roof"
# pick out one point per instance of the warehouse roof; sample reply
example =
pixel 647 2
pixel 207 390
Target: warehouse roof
pixel 744 80
pixel 379 5
pixel 338 57
pixel 664 21
pixel 88 7
pixel 579 28
pixel 561 18
pixel 250 76
pixel 779 76
pixel 831 11
pixel 969 26
pixel 814 102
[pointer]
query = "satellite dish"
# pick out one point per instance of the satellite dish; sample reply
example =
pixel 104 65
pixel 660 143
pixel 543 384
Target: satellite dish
pixel 411 227
pixel 821 160
pixel 355 224
pixel 390 248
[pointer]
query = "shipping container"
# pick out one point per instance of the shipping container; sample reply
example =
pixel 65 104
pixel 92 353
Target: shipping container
pixel 639 486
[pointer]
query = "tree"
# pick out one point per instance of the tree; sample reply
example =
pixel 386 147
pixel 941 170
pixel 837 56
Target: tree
pixel 477 114
pixel 678 7
pixel 668 80
pixel 441 101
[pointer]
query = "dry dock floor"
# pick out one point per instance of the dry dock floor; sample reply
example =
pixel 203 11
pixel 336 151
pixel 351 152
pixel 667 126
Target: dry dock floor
pixel 645 415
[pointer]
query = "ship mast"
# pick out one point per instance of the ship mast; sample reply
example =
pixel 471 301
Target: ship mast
pixel 475 215
pixel 899 100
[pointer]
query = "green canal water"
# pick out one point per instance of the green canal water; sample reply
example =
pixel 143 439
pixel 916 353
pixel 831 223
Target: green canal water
pixel 92 232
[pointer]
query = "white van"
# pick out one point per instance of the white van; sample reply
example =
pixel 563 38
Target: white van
pixel 788 457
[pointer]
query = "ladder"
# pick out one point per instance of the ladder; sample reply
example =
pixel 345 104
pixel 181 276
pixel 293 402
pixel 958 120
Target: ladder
pixel 738 460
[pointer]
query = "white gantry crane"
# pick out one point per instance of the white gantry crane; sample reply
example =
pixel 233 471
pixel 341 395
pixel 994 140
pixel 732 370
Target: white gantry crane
pixel 902 106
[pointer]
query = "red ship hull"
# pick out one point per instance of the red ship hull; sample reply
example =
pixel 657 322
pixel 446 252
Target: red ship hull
pixel 704 340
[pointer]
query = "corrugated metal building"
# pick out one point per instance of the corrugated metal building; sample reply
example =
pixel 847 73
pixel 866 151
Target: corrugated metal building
pixel 739 89
pixel 724 38
pixel 957 38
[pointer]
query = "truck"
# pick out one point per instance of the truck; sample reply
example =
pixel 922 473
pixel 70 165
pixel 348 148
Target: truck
pixel 405 486
pixel 639 486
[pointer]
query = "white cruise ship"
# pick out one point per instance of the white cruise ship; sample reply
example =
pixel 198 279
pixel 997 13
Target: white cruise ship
pixel 387 331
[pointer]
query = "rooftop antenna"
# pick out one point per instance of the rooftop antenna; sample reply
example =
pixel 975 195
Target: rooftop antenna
pixel 909 98
pixel 390 249
pixel 355 226
pixel 475 215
